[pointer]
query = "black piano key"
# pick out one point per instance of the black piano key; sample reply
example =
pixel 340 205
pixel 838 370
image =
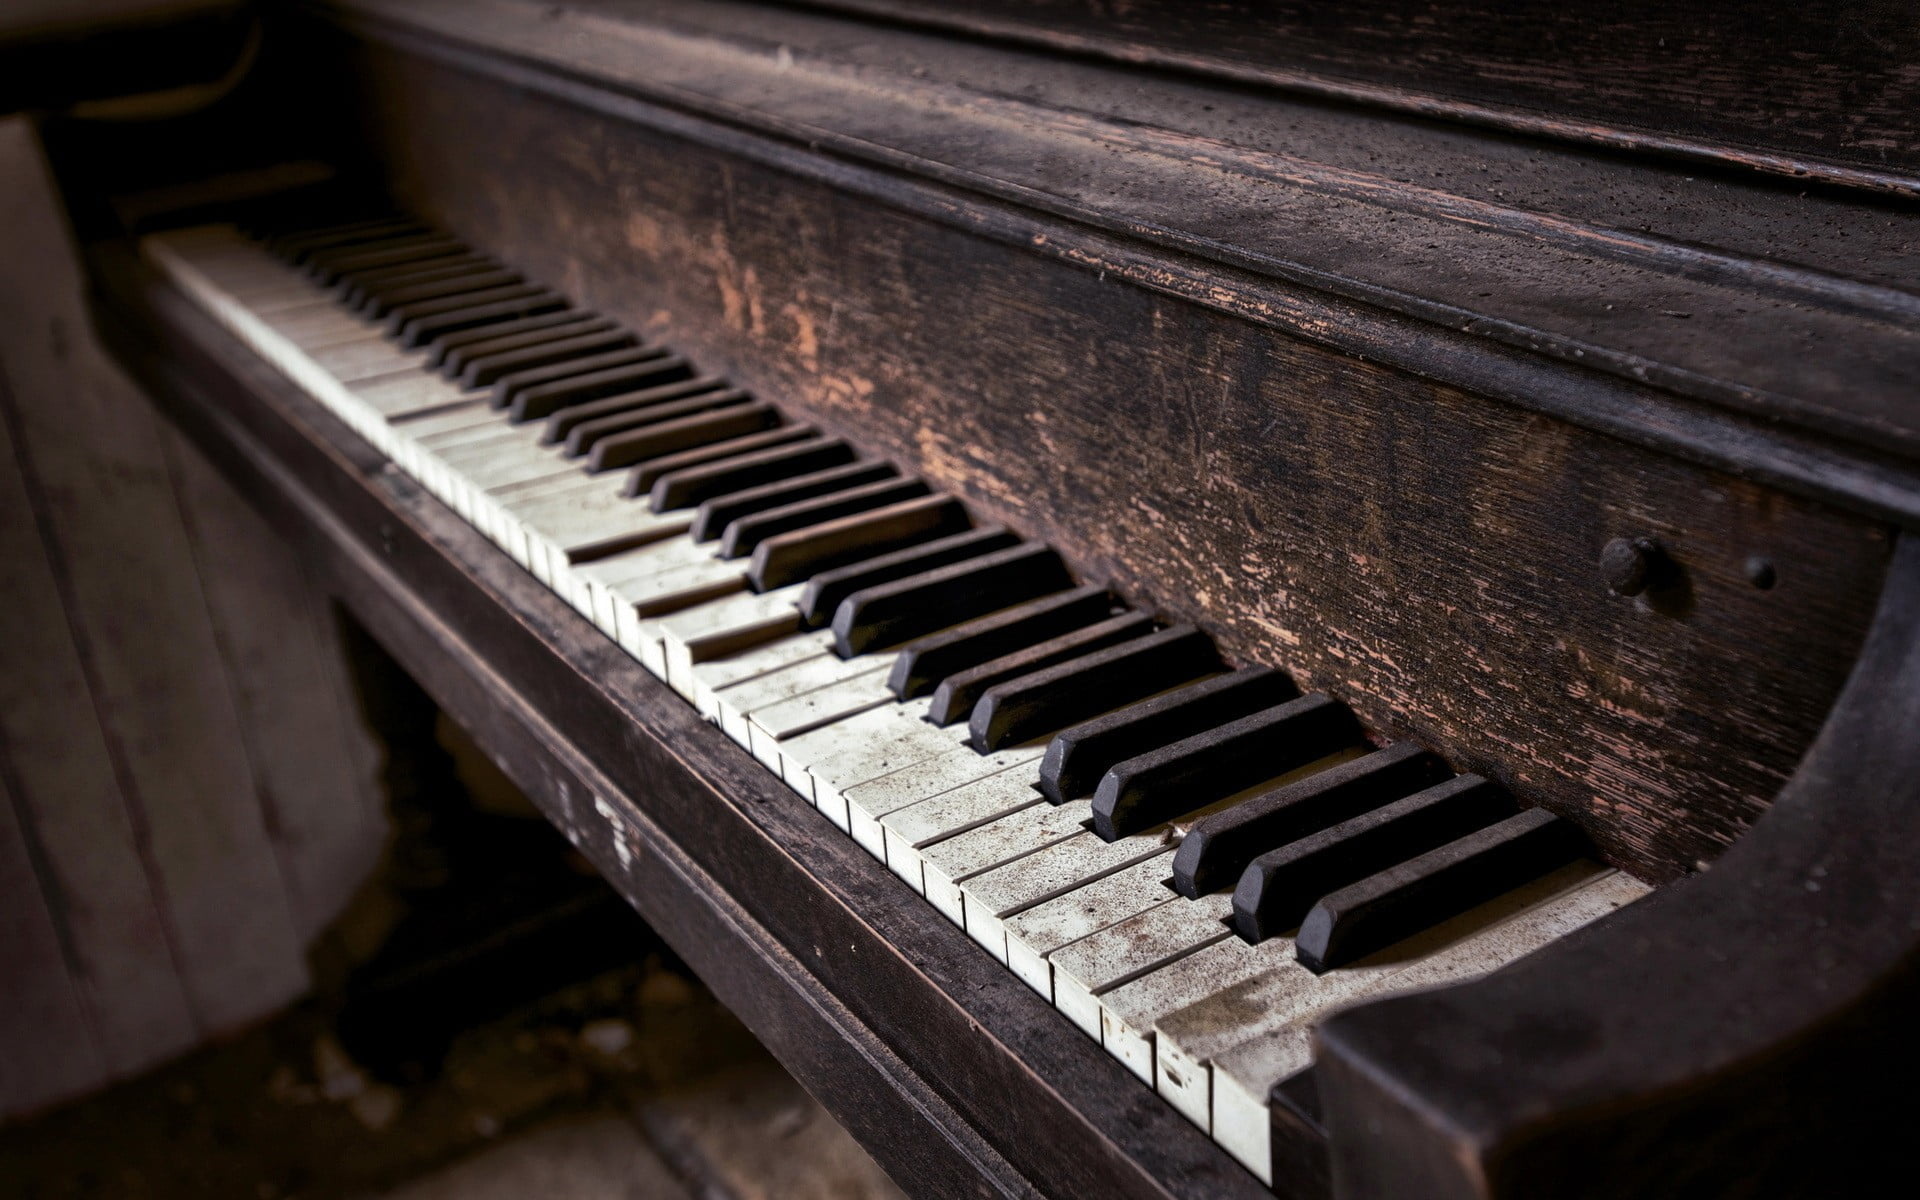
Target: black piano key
pixel 744 534
pixel 924 662
pixel 619 415
pixel 311 257
pixel 627 441
pixel 884 615
pixel 326 269
pixel 378 303
pixel 713 516
pixel 956 695
pixel 1219 847
pixel 1048 701
pixel 1401 901
pixel 1278 888
pixel 1077 758
pixel 400 321
pixel 1151 788
pixel 629 399
pixel 537 394
pixel 449 352
pixel 695 476
pixel 421 330
pixel 358 291
pixel 825 592
pixel 296 247
pixel 486 370
pixel 803 553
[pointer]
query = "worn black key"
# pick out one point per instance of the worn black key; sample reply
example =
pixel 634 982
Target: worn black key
pixel 924 662
pixel 803 553
pixel 695 476
pixel 1077 758
pixel 629 399
pixel 327 269
pixel 296 247
pixel 1277 889
pixel 462 357
pixel 1151 788
pixel 537 394
pixel 358 292
pixel 636 411
pixel 825 592
pixel 448 352
pixel 954 699
pixel 1219 847
pixel 746 533
pixel 1401 901
pixel 713 516
pixel 486 371
pixel 421 330
pixel 402 321
pixel 887 614
pixel 628 438
pixel 377 304
pixel 1047 701
pixel 344 244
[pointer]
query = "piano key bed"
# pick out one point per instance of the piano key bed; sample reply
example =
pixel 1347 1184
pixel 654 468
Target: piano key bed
pixel 1192 862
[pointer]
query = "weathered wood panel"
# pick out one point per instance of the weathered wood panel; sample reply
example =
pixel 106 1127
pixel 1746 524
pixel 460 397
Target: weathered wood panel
pixel 1425 554
pixel 175 737
pixel 45 1044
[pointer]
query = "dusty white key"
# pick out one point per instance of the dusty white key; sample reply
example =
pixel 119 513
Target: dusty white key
pixel 948 861
pixel 407 394
pixel 1125 951
pixel 715 674
pixel 1129 1012
pixel 992 896
pixel 736 704
pixel 720 629
pixel 369 358
pixel 772 724
pixel 318 327
pixel 683 586
pixel 913 830
pixel 889 739
pixel 1495 933
pixel 414 432
pixel 570 525
pixel 1037 932
pixel 868 802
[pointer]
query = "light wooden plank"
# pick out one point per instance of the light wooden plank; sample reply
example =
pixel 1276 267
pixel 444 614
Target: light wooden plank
pixel 46 1049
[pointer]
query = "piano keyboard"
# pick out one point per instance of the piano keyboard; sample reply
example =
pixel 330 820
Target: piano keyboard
pixel 1192 862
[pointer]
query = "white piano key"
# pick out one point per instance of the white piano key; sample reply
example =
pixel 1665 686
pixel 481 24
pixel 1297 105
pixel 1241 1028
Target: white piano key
pixel 772 724
pixel 912 828
pixel 1037 932
pixel 737 704
pixel 992 896
pixel 1472 943
pixel 721 628
pixel 1125 951
pixel 868 802
pixel 876 743
pixel 715 674
pixel 1128 1013
pixel 944 864
pixel 367 359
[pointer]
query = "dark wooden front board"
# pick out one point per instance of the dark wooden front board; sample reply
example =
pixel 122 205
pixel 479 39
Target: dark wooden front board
pixel 1424 554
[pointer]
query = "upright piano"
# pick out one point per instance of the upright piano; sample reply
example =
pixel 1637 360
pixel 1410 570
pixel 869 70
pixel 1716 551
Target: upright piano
pixel 1168 600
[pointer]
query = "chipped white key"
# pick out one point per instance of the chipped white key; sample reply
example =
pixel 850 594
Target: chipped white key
pixel 868 802
pixel 1129 949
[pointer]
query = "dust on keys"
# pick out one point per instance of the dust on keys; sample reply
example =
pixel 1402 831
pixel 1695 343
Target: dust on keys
pixel 1193 863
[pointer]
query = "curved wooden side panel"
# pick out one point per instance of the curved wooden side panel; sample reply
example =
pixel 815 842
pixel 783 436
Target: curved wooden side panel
pixel 1733 1034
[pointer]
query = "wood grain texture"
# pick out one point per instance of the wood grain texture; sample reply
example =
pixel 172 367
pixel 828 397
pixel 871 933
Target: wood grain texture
pixel 1417 551
pixel 1759 86
pixel 175 738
